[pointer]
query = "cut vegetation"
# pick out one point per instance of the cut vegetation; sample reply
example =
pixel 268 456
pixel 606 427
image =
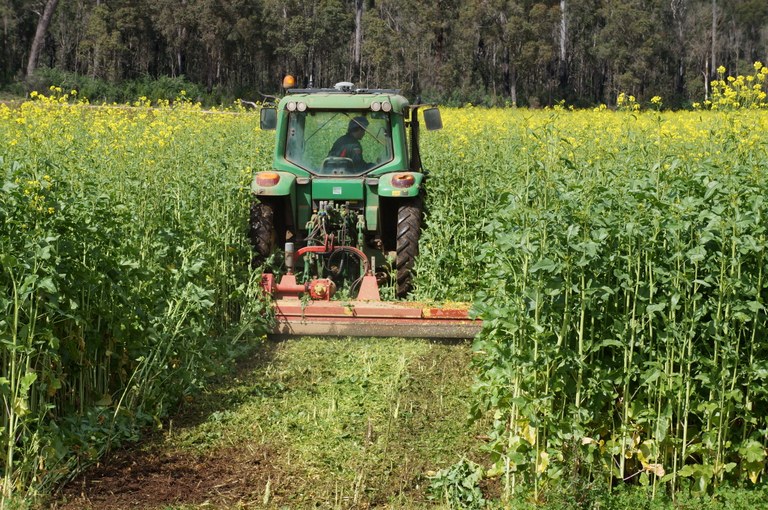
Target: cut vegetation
pixel 309 423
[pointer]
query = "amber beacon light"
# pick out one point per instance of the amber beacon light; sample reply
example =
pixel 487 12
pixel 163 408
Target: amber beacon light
pixel 289 82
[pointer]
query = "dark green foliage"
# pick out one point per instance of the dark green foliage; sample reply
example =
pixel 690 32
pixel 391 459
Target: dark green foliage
pixel 627 323
pixel 96 90
pixel 499 52
pixel 458 486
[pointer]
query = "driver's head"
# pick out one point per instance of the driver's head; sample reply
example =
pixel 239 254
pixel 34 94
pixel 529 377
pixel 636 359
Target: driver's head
pixel 357 126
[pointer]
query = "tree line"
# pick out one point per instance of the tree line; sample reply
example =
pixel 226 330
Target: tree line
pixel 514 52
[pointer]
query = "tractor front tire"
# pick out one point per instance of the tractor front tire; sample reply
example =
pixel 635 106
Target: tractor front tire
pixel 409 215
pixel 262 231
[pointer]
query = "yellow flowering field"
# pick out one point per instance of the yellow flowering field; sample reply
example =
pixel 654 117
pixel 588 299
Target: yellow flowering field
pixel 618 259
pixel 124 268
pixel 616 256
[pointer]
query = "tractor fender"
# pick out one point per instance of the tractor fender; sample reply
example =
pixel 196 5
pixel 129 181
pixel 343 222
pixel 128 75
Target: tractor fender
pixel 264 185
pixel 388 189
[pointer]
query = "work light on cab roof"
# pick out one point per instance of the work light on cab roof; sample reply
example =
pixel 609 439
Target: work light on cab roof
pixel 339 214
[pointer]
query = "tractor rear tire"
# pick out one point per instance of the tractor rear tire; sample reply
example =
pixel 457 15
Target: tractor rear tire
pixel 409 215
pixel 262 231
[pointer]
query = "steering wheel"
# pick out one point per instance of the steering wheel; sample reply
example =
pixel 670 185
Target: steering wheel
pixel 336 161
pixel 337 165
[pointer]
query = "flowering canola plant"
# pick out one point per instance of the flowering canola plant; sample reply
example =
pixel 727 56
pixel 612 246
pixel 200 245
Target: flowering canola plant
pixel 122 262
pixel 616 257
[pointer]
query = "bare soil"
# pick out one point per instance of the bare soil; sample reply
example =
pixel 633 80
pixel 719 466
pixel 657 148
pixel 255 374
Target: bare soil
pixel 233 477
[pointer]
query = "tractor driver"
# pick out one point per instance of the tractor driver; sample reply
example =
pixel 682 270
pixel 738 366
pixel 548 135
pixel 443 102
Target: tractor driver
pixel 348 145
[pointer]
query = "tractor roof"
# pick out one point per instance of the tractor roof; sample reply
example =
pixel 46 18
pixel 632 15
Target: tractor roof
pixel 333 99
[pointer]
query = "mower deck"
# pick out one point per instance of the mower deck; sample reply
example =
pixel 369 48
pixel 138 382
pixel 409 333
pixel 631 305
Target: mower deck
pixel 373 318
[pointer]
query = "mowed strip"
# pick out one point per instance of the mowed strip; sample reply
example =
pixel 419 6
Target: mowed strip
pixel 312 421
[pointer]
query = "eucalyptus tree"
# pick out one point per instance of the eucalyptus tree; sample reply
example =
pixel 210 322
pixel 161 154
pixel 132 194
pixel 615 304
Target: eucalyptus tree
pixel 42 29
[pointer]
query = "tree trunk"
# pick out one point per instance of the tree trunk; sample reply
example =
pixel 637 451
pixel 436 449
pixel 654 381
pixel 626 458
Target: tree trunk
pixel 713 68
pixel 513 87
pixel 42 29
pixel 563 68
pixel 505 74
pixel 679 15
pixel 358 50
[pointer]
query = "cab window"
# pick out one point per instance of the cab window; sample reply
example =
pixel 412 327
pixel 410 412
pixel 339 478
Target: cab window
pixel 338 143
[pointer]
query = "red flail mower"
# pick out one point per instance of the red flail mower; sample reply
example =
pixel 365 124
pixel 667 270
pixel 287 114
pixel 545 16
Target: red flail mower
pixel 309 308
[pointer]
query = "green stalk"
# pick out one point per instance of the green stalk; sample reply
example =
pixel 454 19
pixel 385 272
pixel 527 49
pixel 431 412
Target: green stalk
pixel 10 408
pixel 687 378
pixel 628 360
pixel 752 338
pixel 582 316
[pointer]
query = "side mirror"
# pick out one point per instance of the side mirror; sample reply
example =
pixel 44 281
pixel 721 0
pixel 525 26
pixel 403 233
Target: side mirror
pixel 268 119
pixel 432 119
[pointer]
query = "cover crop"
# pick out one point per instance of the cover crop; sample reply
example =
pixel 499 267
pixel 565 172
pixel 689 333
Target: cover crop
pixel 123 261
pixel 618 259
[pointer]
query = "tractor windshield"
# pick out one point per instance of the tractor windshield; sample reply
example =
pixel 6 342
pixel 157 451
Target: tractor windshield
pixel 350 142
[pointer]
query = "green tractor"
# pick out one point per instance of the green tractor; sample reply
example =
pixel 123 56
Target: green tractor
pixel 345 196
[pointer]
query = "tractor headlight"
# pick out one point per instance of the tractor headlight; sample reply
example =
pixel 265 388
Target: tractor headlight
pixel 302 107
pixel 267 179
pixel 403 180
pixel 375 106
pixel 291 106
pixel 386 106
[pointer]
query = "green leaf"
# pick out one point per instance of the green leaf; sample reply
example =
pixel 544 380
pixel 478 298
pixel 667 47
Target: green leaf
pixel 47 285
pixel 753 451
pixel 8 261
pixel 104 401
pixel 653 377
pixel 697 255
pixel 545 264
pixel 27 381
pixel 712 187
pixel 611 343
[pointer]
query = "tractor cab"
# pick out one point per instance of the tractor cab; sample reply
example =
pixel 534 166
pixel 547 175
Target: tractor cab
pixel 310 122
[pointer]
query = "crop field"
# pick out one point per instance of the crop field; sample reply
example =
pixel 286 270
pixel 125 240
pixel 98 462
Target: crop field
pixel 616 256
